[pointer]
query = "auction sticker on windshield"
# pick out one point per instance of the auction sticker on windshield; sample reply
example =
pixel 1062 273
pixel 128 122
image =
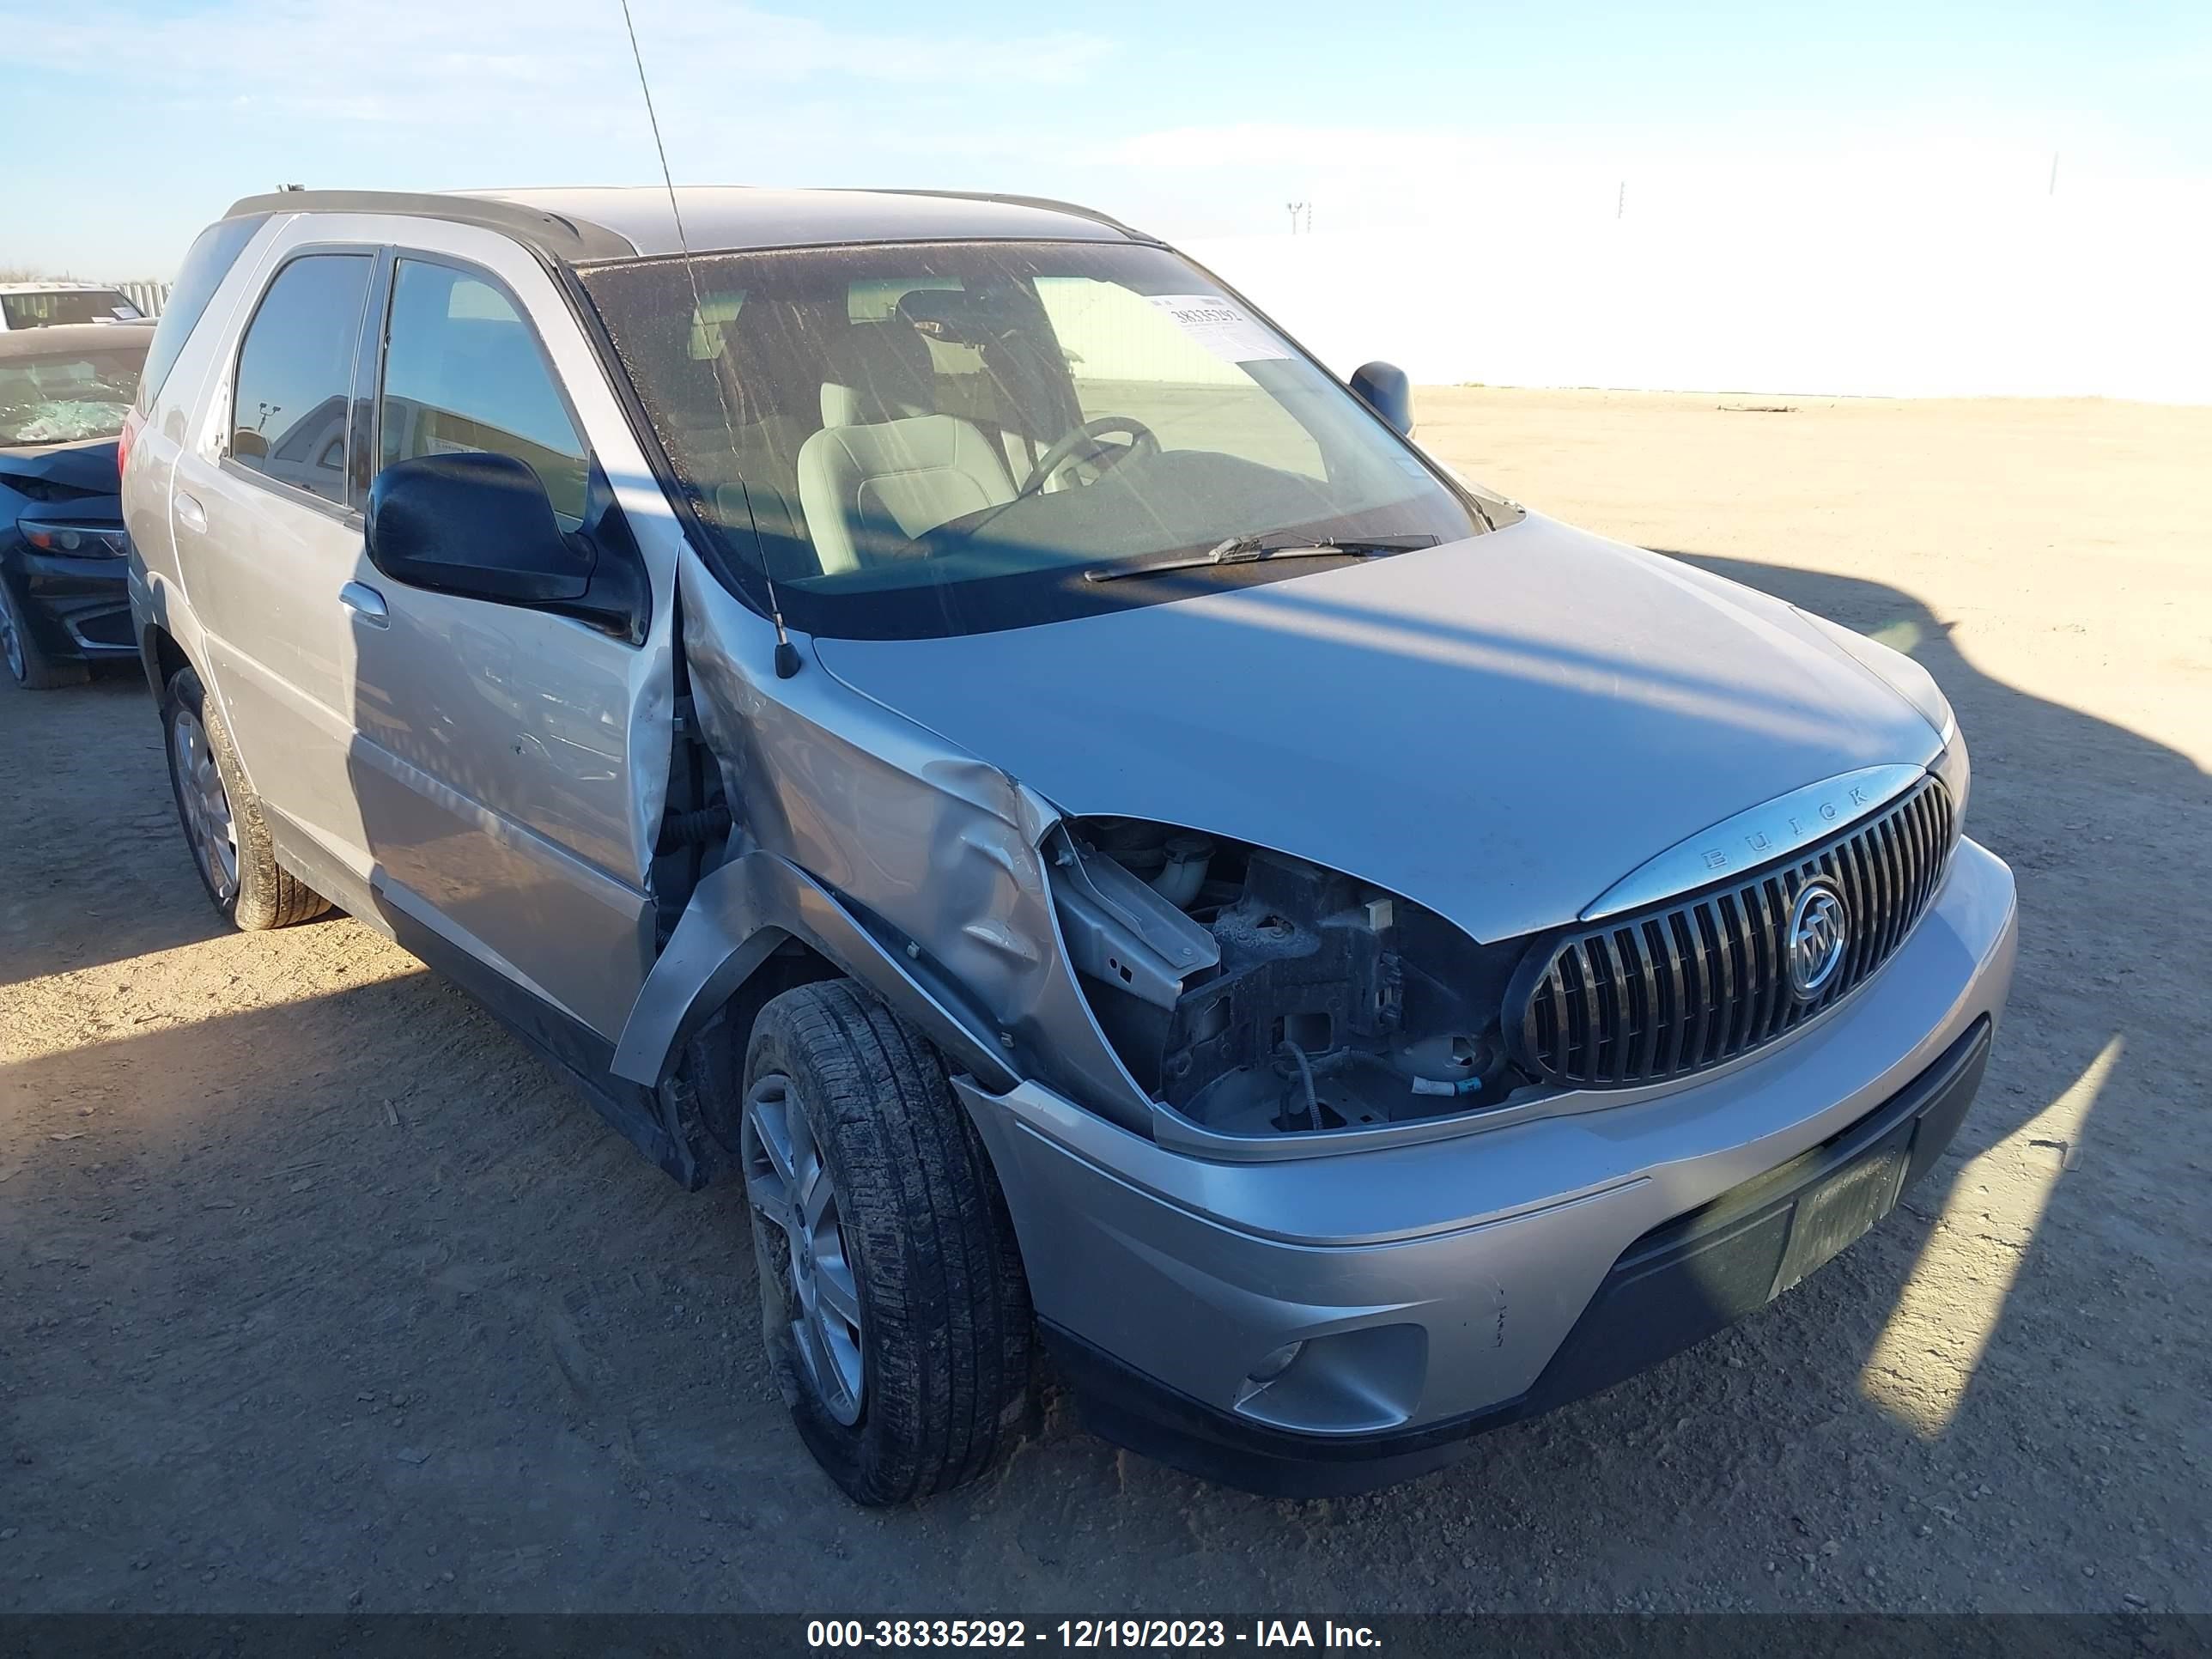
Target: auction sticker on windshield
pixel 1219 326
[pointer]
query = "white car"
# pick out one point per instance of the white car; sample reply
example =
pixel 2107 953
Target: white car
pixel 43 305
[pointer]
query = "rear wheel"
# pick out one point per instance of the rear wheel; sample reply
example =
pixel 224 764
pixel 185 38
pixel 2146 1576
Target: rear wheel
pixel 33 665
pixel 222 818
pixel 892 1299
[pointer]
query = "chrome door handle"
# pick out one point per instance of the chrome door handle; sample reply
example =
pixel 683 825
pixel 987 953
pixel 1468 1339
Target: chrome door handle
pixel 365 603
pixel 191 513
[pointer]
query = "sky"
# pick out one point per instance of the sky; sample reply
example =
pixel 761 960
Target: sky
pixel 1188 118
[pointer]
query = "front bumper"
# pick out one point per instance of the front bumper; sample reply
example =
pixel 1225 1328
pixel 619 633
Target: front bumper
pixel 75 607
pixel 1441 1288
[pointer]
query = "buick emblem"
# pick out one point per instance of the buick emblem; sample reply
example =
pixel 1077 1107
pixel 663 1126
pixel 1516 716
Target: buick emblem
pixel 1820 928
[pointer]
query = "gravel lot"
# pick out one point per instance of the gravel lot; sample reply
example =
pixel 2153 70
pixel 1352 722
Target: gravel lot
pixel 316 1291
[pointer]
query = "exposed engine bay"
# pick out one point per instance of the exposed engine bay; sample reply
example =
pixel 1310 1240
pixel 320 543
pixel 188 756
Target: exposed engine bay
pixel 1258 993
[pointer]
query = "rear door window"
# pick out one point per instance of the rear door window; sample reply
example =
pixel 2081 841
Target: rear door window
pixel 463 371
pixel 289 412
pixel 213 253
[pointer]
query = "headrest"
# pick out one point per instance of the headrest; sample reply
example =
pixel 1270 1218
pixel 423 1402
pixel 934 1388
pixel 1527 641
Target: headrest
pixel 877 372
pixel 959 318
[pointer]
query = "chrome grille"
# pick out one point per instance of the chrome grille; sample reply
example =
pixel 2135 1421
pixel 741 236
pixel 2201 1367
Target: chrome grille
pixel 1679 988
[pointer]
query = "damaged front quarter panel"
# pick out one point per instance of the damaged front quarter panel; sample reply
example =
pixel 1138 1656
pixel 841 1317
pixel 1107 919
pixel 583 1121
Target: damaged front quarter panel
pixel 1273 1007
pixel 914 867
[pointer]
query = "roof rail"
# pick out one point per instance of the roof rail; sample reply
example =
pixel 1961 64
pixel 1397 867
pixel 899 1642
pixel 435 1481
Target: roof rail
pixel 552 234
pixel 1044 203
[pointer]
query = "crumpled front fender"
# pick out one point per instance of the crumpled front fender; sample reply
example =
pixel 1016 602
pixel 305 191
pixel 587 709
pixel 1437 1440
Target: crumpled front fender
pixel 916 868
pixel 737 918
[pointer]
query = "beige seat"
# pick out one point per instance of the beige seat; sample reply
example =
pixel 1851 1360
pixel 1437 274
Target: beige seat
pixel 886 467
pixel 739 440
pixel 752 475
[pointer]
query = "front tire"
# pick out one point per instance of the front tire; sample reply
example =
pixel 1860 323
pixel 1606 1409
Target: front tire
pixel 34 667
pixel 892 1298
pixel 222 817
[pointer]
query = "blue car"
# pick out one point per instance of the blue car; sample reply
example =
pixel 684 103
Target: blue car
pixel 63 555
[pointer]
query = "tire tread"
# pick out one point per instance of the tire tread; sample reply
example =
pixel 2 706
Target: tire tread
pixel 947 1307
pixel 42 671
pixel 268 896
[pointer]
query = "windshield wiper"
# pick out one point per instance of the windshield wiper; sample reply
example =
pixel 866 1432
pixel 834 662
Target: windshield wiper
pixel 1257 549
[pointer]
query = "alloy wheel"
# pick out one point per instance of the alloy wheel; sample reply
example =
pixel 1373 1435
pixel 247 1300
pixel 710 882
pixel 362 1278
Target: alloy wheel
pixel 11 641
pixel 803 1242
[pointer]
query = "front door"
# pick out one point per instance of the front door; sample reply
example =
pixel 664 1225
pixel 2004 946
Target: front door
pixel 508 761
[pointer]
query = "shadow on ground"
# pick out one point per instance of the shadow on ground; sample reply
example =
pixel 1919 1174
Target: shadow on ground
pixel 93 875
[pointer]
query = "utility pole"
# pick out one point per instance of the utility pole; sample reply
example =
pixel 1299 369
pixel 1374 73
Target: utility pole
pixel 1294 207
pixel 1620 199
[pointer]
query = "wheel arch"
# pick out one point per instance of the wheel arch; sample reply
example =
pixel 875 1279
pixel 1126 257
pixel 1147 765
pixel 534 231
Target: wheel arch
pixel 759 925
pixel 161 656
pixel 170 638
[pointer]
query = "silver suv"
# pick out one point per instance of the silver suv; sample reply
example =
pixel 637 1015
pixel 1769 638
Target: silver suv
pixel 932 708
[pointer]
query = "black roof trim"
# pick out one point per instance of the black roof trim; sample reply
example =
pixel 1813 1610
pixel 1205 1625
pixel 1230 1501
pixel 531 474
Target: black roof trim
pixel 551 234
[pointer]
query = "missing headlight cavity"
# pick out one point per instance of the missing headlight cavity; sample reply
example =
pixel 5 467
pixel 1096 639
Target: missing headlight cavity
pixel 1258 993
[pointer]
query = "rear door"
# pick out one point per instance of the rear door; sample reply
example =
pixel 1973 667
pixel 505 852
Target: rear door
pixel 265 510
pixel 509 763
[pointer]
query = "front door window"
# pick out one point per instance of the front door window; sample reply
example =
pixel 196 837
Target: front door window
pixel 463 372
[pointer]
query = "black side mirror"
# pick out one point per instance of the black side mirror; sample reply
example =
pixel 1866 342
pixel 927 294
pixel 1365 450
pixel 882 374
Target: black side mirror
pixel 1384 388
pixel 476 524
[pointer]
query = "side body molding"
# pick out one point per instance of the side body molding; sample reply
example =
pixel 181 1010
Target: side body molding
pixel 737 918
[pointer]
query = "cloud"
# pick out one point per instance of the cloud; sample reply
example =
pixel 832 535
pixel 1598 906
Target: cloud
pixel 504 61
pixel 430 94
pixel 733 51
pixel 1255 144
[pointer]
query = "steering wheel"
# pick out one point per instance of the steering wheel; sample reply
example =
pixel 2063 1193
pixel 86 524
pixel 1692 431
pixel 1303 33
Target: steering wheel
pixel 1084 439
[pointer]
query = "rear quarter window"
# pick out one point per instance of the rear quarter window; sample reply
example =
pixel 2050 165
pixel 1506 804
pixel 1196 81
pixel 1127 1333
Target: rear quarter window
pixel 212 255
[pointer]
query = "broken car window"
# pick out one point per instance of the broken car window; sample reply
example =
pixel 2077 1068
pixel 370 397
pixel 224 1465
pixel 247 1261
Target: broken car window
pixel 67 399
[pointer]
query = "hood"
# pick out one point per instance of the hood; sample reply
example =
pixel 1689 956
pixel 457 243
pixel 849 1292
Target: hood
pixel 1499 728
pixel 88 465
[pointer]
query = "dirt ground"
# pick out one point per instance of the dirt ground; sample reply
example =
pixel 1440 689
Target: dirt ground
pixel 317 1290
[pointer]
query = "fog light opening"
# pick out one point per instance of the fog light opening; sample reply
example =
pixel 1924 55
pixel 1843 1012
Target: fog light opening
pixel 1269 1368
pixel 1354 1381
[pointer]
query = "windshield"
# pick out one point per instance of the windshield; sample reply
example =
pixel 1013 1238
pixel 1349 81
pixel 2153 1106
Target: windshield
pixel 921 440
pixel 58 398
pixel 68 305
